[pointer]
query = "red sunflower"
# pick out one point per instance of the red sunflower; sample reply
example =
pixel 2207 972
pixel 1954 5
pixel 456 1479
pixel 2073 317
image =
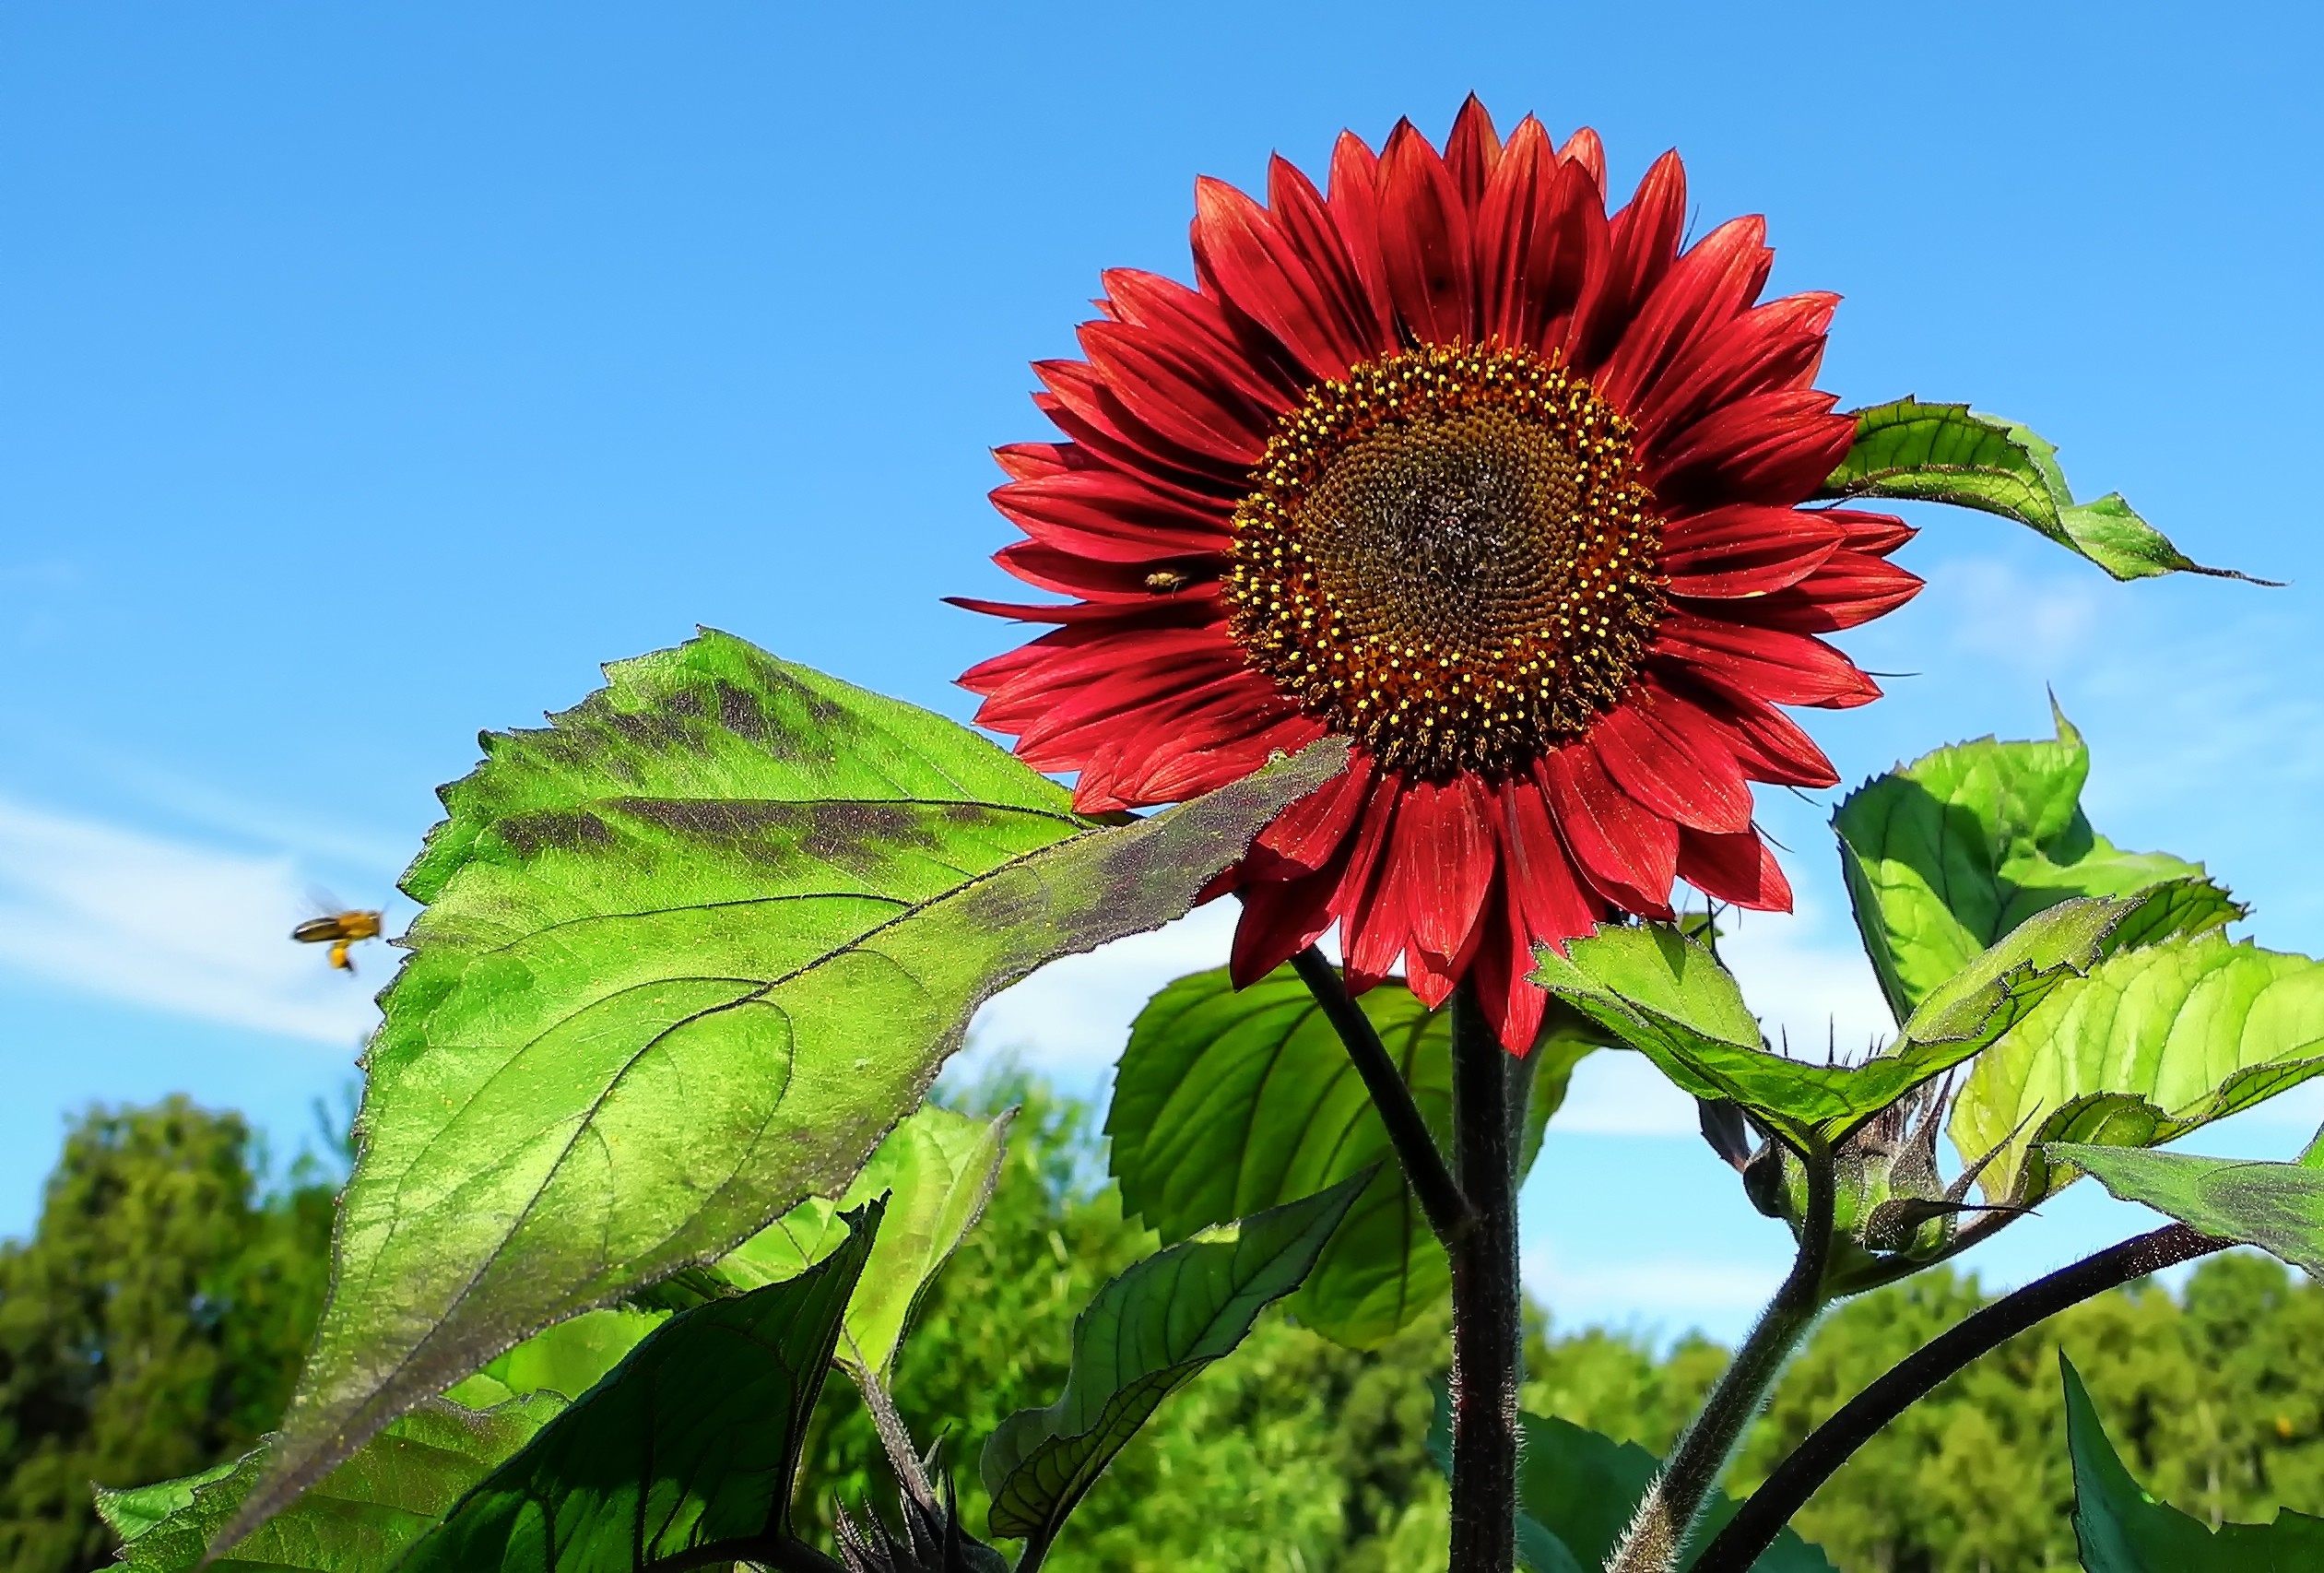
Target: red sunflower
pixel 1446 461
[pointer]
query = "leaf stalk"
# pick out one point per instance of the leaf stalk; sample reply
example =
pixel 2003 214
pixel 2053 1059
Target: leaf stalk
pixel 1442 1203
pixel 1656 1541
pixel 1753 1529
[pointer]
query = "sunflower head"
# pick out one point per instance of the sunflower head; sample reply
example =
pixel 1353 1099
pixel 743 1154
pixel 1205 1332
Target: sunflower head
pixel 1445 458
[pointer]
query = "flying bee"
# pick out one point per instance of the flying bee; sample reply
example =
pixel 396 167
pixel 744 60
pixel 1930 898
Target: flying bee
pixel 339 930
pixel 1167 581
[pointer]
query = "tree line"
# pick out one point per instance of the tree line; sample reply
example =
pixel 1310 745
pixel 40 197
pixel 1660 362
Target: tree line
pixel 154 1322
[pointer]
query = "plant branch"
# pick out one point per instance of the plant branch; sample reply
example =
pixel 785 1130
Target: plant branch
pixel 1658 1535
pixel 1754 1528
pixel 1441 1204
pixel 778 1553
pixel 1488 1305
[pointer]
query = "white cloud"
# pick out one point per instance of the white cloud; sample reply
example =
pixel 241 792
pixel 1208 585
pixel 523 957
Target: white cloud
pixel 1621 1094
pixel 2035 624
pixel 1804 974
pixel 172 925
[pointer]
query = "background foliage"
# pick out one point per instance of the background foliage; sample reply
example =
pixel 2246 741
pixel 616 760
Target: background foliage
pixel 123 1365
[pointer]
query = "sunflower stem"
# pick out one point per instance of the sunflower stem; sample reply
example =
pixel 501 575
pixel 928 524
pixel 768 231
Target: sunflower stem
pixel 1488 1310
pixel 1753 1529
pixel 1441 1201
pixel 1656 1541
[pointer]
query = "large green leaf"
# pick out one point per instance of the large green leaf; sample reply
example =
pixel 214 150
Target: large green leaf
pixel 684 1454
pixel 1669 998
pixel 363 1516
pixel 689 953
pixel 1148 1334
pixel 2152 1043
pixel 1908 451
pixel 1229 1101
pixel 1577 1491
pixel 937 1169
pixel 2278 1207
pixel 2123 1529
pixel 1946 855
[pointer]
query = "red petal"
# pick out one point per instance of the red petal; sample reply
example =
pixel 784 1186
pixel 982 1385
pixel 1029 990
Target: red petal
pixel 1091 413
pixel 1355 211
pixel 1533 240
pixel 1739 869
pixel 1644 236
pixel 1111 518
pixel 1584 149
pixel 1705 289
pixel 1877 533
pixel 1264 276
pixel 1767 350
pixel 1767 743
pixel 1366 887
pixel 1766 663
pixel 1663 771
pixel 1103 579
pixel 1628 854
pixel 1848 589
pixel 1279 919
pixel 1446 852
pixel 1306 225
pixel 1745 550
pixel 1769 447
pixel 1505 957
pixel 1177 398
pixel 1205 333
pixel 1034 461
pixel 1545 889
pixel 1310 832
pixel 1424 237
pixel 1471 151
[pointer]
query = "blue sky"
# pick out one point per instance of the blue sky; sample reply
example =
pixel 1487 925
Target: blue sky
pixel 368 374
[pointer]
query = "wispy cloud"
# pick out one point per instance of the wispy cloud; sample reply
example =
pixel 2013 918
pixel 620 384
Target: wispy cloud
pixel 171 924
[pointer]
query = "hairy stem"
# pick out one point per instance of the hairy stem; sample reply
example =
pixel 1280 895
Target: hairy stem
pixel 1488 1310
pixel 1656 1538
pixel 1754 1528
pixel 1441 1201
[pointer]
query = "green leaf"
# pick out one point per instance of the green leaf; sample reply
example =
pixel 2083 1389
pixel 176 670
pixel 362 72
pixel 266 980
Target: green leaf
pixel 362 1517
pixel 1147 1334
pixel 1908 451
pixel 2278 1207
pixel 685 1452
pixel 1230 1101
pixel 1577 1491
pixel 567 1359
pixel 938 1169
pixel 1945 856
pixel 1669 998
pixel 2123 1529
pixel 2152 1043
pixel 689 952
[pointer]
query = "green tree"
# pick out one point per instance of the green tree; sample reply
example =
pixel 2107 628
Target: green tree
pixel 153 1325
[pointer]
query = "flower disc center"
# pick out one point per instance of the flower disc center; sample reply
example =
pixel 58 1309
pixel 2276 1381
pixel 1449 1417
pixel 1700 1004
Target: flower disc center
pixel 1450 556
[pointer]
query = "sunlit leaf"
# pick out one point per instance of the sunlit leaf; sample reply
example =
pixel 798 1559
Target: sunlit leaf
pixel 567 1359
pixel 1669 998
pixel 1908 451
pixel 937 1169
pixel 2278 1207
pixel 363 1516
pixel 1230 1101
pixel 685 1453
pixel 2152 1043
pixel 2120 1529
pixel 689 953
pixel 1577 1491
pixel 1947 854
pixel 1148 1334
